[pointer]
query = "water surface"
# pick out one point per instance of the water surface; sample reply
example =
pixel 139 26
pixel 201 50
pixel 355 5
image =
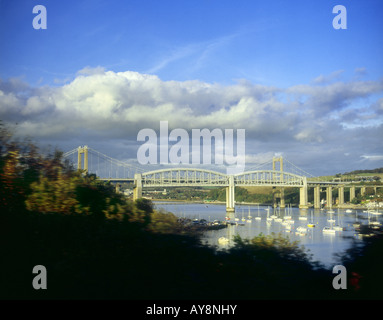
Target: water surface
pixel 322 246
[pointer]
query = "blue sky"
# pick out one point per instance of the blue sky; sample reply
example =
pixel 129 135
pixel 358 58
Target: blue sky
pixel 269 42
pixel 284 52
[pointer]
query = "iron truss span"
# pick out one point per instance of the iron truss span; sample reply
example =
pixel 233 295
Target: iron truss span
pixel 268 178
pixel 199 177
pixel 184 177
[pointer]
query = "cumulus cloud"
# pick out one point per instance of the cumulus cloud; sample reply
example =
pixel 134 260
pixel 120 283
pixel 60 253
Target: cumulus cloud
pixel 99 106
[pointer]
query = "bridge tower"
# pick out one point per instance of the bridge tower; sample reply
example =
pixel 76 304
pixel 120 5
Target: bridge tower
pixel 276 160
pixel 80 151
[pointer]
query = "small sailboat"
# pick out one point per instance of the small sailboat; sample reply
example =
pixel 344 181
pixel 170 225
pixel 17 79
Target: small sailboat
pixel 374 224
pixel 301 231
pixel 257 217
pixel 338 227
pixel 268 218
pixel 288 215
pixel 375 212
pixel 278 218
pixel 243 218
pixel 356 224
pixel 329 229
pixel 330 210
pixel 249 216
pixel 331 220
pixel 274 216
pixel 311 224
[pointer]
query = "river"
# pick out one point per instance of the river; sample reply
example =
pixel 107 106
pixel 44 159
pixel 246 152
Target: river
pixel 322 246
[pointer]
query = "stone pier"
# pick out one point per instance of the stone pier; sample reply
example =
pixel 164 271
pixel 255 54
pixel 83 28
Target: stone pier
pixel 137 191
pixel 317 197
pixel 303 195
pixel 230 198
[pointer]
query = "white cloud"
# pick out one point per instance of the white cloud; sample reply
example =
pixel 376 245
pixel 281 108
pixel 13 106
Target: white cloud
pixel 373 158
pixel 325 79
pixel 99 106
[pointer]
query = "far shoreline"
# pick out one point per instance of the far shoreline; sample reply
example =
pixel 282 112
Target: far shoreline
pixel 215 202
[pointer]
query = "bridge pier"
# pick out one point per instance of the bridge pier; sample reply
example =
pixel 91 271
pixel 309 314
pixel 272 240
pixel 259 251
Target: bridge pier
pixel 352 193
pixel 282 204
pixel 137 191
pixel 329 196
pixel 317 197
pixel 341 196
pixel 281 195
pixel 303 195
pixel 230 197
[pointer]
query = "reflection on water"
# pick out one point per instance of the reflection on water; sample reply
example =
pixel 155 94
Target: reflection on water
pixel 291 222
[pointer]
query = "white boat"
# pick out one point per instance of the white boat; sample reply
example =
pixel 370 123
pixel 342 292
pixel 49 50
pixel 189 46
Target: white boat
pixel 331 219
pixel 302 218
pixel 302 229
pixel 274 216
pixel 375 212
pixel 288 215
pixel 258 217
pixel 223 240
pixel 328 230
pixel 374 224
pixel 330 210
pixel 338 227
pixel 348 211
